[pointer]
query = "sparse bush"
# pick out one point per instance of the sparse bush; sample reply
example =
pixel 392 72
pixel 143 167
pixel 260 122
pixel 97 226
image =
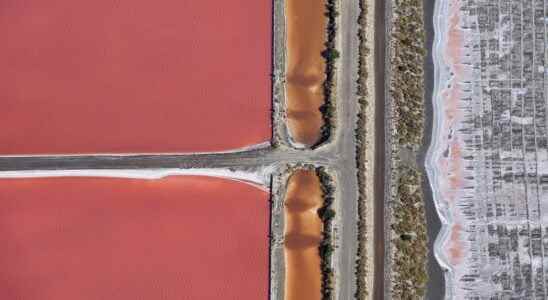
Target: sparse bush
pixel 410 276
pixel 326 214
pixel 407 86
pixel 362 93
pixel 330 54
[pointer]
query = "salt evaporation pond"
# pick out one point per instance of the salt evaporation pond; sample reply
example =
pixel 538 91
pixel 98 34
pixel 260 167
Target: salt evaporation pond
pixel 134 76
pixel 181 237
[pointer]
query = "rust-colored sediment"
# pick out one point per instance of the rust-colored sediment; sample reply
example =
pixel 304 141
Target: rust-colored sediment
pixel 306 36
pixel 303 233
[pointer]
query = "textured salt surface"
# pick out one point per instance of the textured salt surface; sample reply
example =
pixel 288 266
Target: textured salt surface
pixel 487 161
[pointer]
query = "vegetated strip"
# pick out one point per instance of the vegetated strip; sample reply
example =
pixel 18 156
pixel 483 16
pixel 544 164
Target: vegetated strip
pixel 330 54
pixel 407 86
pixel 408 221
pixel 361 148
pixel 326 214
pixel 410 275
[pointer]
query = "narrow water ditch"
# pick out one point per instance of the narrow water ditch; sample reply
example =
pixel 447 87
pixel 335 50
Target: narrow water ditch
pixel 307 245
pixel 306 67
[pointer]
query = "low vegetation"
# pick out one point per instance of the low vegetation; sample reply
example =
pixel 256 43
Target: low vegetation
pixel 409 263
pixel 330 54
pixel 407 89
pixel 326 214
pixel 409 237
pixel 361 263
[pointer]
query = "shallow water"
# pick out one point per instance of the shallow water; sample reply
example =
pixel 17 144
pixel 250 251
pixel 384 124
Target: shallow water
pixel 305 73
pixel 303 233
